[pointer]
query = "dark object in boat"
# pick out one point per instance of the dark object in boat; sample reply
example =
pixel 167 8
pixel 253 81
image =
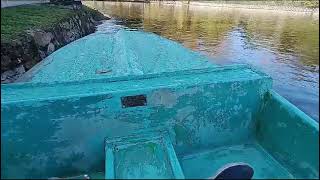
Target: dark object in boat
pixel 235 171
pixel 103 71
pixel 133 101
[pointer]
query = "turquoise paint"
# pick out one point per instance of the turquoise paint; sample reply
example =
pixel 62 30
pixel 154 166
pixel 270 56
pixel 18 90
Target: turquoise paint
pixel 205 164
pixel 289 135
pixel 175 165
pixel 109 166
pixel 118 54
pixel 61 124
pixel 159 158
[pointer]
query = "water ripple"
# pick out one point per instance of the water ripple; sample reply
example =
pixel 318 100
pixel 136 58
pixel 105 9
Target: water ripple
pixel 286 46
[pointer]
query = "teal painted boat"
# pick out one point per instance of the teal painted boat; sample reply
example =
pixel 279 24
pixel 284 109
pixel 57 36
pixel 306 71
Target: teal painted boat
pixel 132 104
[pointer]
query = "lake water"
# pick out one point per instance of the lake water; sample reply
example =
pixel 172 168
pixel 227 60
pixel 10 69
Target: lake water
pixel 285 45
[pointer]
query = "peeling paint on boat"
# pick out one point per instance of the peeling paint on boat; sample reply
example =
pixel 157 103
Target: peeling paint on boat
pixel 197 118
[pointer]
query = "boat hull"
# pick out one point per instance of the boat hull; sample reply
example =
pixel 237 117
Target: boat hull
pixel 211 116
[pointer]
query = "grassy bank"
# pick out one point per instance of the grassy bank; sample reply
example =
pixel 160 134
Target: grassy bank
pixel 15 21
pixel 30 33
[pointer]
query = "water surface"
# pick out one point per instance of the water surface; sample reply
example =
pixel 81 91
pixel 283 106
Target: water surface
pixel 285 45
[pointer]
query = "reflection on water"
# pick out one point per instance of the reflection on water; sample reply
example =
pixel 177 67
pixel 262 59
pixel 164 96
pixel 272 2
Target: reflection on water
pixel 284 45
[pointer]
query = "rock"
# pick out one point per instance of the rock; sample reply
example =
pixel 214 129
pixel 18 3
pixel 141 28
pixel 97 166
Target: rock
pixel 5 62
pixel 20 70
pixel 65 25
pixel 42 38
pixel 30 59
pixel 42 54
pixel 12 75
pixel 35 45
pixel 28 65
pixel 5 76
pixel 50 48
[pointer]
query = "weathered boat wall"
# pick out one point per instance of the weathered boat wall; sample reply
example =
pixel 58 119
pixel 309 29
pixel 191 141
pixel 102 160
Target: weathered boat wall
pixel 18 56
pixel 49 133
pixel 289 135
pixel 46 132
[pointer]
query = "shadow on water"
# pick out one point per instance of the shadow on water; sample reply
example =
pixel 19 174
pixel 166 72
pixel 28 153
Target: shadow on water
pixel 283 44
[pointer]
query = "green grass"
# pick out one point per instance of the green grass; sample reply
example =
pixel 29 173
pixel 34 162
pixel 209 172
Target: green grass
pixel 16 20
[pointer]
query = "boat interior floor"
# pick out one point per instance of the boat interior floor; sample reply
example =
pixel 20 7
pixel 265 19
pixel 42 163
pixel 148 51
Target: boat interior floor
pixel 204 164
pixel 207 163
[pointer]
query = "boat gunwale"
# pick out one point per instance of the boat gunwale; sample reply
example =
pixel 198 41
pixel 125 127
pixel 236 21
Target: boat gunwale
pixel 10 87
pixel 288 106
pixel 136 77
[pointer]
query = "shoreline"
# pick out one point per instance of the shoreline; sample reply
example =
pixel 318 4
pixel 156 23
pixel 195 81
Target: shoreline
pixel 256 5
pixel 261 6
pixel 31 37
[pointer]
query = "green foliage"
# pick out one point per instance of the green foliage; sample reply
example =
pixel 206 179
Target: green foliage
pixel 16 20
pixel 311 3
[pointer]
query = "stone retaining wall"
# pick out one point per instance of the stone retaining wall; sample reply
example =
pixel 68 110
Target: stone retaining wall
pixel 18 56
